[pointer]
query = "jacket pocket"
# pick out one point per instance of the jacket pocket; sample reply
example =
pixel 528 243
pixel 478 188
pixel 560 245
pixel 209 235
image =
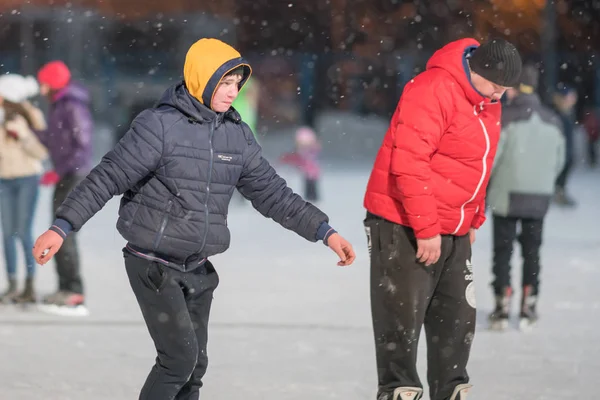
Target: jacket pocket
pixel 162 226
pixel 128 211
pixel 156 276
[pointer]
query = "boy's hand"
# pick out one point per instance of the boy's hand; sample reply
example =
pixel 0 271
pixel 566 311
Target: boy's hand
pixel 50 241
pixel 342 248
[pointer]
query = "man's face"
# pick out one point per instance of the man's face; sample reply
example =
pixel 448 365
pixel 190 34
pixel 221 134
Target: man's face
pixel 571 99
pixel 226 93
pixel 487 88
pixel 511 93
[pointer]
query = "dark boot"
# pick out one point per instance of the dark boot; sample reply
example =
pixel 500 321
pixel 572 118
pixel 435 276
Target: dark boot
pixel 28 294
pixel 528 308
pixel 499 318
pixel 563 199
pixel 11 292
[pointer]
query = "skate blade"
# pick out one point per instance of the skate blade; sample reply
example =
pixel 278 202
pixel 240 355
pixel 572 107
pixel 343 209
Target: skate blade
pixel 501 325
pixel 26 306
pixel 526 325
pixel 67 311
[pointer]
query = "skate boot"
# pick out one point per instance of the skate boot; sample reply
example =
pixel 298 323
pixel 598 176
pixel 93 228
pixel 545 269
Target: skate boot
pixel 460 392
pixel 563 199
pixel 499 318
pixel 407 393
pixel 28 294
pixel 65 303
pixel 11 292
pixel 528 316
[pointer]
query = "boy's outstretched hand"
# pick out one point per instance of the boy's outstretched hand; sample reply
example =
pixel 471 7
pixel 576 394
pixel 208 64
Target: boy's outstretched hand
pixel 342 248
pixel 50 241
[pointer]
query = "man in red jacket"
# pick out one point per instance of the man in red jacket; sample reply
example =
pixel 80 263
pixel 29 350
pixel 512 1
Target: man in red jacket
pixel 424 200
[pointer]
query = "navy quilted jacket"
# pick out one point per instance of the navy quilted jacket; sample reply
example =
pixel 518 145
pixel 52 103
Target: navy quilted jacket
pixel 177 168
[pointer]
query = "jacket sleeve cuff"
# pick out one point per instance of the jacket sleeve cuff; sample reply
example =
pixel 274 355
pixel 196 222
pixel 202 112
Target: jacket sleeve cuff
pixel 324 232
pixel 62 227
pixel 428 233
pixel 478 221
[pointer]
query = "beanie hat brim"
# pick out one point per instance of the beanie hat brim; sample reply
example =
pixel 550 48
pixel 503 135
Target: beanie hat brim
pixel 498 61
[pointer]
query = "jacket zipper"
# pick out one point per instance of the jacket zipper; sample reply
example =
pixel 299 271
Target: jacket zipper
pixel 483 173
pixel 208 180
pixel 163 225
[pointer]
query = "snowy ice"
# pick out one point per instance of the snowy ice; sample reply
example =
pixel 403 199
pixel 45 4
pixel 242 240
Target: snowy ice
pixel 288 324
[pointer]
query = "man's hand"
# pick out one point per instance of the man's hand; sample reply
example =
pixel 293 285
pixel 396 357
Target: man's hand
pixel 50 241
pixel 472 235
pixel 429 250
pixel 342 248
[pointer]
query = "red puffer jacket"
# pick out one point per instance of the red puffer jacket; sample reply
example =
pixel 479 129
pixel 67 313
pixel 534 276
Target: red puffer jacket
pixel 433 167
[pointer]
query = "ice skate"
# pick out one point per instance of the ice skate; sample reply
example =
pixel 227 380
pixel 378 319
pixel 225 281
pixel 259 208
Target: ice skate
pixel 528 316
pixel 407 393
pixel 461 391
pixel 10 293
pixel 499 317
pixel 28 294
pixel 562 199
pixel 65 304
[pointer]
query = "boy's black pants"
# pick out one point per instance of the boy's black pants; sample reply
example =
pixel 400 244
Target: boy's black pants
pixel 405 295
pixel 530 238
pixel 176 307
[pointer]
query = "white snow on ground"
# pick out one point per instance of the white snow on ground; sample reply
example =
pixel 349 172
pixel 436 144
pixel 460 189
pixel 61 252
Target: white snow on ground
pixel 288 324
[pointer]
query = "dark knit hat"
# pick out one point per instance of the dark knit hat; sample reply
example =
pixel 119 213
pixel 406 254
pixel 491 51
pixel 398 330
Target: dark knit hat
pixel 563 89
pixel 529 77
pixel 497 61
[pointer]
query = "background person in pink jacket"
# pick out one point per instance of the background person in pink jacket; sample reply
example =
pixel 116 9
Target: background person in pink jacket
pixel 306 159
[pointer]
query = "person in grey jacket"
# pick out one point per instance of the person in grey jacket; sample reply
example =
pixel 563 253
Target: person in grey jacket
pixel 530 156
pixel 177 168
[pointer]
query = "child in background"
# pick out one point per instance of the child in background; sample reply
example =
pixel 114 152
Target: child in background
pixel 305 158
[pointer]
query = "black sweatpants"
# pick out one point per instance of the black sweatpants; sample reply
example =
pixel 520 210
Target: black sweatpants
pixel 67 258
pixel 176 308
pixel 565 173
pixel 405 295
pixel 530 238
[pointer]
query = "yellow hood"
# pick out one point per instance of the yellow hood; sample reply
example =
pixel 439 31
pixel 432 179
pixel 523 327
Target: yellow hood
pixel 206 63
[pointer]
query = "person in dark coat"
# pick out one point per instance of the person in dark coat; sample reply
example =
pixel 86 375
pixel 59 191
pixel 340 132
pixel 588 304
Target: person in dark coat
pixel 565 100
pixel 177 168
pixel 69 142
pixel 530 155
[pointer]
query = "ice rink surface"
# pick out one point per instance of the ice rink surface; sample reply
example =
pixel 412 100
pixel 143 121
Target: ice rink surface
pixel 288 324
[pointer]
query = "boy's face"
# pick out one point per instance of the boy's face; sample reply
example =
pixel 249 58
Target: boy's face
pixel 226 93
